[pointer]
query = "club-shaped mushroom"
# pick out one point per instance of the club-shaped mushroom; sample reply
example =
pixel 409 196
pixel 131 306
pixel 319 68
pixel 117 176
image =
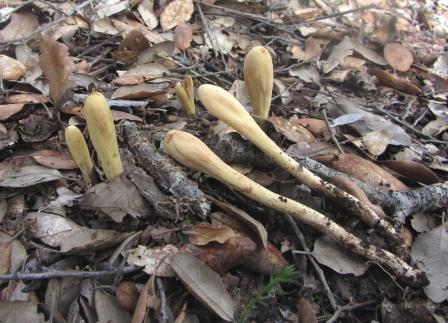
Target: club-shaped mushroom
pixel 185 93
pixel 78 148
pixel 226 107
pixel 102 133
pixel 192 152
pixel 259 79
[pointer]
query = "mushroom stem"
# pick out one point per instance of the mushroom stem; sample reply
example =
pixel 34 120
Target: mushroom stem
pixel 78 148
pixel 185 93
pixel 225 107
pixel 192 152
pixel 102 133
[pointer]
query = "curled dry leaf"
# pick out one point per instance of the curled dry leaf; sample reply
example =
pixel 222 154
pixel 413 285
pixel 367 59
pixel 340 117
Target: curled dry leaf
pixel 11 69
pixel 376 142
pixel 127 295
pixel 202 234
pixel 317 127
pixel 363 170
pixel 225 256
pixel 413 170
pixel 57 65
pixel 175 13
pixel 398 56
pixel 155 260
pixel 266 261
pixel 183 35
pixel 27 98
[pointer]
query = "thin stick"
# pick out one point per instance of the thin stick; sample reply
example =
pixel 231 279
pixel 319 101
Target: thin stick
pixel 319 271
pixel 54 273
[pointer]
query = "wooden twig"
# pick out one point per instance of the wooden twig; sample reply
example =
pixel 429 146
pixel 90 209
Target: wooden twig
pixel 54 273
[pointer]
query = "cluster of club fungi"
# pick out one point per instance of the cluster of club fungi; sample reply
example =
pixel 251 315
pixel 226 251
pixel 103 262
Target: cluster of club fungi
pixel 190 151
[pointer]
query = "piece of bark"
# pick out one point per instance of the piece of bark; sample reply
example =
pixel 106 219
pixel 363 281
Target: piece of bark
pixel 168 175
pixel 233 149
pixel 162 204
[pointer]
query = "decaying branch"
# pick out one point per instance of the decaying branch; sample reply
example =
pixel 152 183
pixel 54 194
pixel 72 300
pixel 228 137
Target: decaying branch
pixel 399 205
pixel 192 152
pixel 165 172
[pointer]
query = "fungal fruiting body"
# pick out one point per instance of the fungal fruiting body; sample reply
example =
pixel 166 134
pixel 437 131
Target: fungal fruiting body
pixel 259 79
pixel 185 93
pixel 78 148
pixel 102 134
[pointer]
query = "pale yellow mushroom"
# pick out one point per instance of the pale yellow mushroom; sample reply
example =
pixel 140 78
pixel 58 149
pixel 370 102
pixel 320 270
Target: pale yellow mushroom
pixel 78 148
pixel 225 107
pixel 259 79
pixel 192 152
pixel 102 134
pixel 185 93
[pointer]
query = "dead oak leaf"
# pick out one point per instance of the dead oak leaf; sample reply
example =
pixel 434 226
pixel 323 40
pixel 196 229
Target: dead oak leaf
pixel 175 13
pixel 57 65
pixel 22 24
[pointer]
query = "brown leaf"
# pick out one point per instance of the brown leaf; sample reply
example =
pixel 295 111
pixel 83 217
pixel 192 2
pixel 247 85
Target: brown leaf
pixel 55 159
pixel 259 231
pixel 8 110
pixel 116 114
pixel 175 13
pixel 11 69
pixel 413 170
pixel 57 65
pixel 140 91
pixel 317 127
pixel 127 295
pixel 134 41
pixel 306 312
pixel 376 142
pixel 183 35
pixel 292 130
pixel 204 234
pixel 204 284
pixel 142 303
pixel 398 56
pixel 5 257
pixel 22 24
pixel 223 257
pixel 266 261
pixel 395 82
pixel 363 170
pixel 27 98
pixel 312 49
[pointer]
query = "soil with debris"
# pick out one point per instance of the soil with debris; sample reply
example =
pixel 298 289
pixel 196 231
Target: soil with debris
pixel 351 227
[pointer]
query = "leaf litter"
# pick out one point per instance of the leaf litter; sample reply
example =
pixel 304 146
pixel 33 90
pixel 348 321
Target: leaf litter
pixel 361 89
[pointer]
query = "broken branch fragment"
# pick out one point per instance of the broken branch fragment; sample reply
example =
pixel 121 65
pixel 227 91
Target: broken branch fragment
pixel 259 79
pixel 102 133
pixel 224 106
pixel 192 152
pixel 78 148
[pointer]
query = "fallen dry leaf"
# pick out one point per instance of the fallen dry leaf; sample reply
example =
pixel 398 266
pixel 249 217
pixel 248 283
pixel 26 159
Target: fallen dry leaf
pixel 156 260
pixel 183 35
pixel 306 312
pixel 317 127
pixel 57 65
pixel 11 69
pixel 398 56
pixel 202 234
pixel 5 257
pixel 8 110
pixel 266 261
pixel 54 159
pixel 57 231
pixel 312 49
pixel 376 142
pixel 27 98
pixel 204 284
pixel 146 11
pixel 363 170
pixel 395 82
pixel 107 308
pixel 175 13
pixel 291 129
pixel 337 55
pixel 134 41
pixel 413 170
pixel 16 176
pixel 127 295
pixel 21 25
pixel 140 91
